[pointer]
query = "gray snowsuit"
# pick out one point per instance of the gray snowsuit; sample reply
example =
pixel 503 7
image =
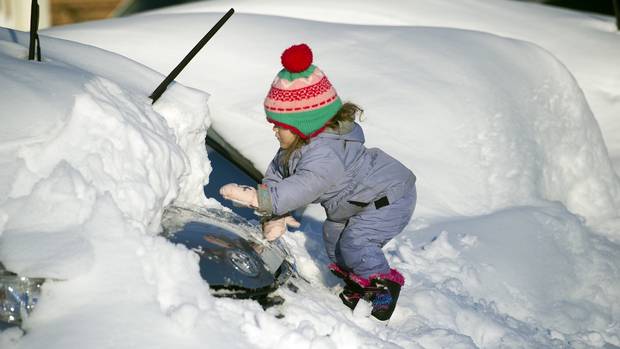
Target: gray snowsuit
pixel 368 196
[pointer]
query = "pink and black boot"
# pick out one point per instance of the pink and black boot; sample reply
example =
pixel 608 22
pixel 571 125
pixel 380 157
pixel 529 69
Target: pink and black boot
pixel 352 291
pixel 381 290
pixel 384 292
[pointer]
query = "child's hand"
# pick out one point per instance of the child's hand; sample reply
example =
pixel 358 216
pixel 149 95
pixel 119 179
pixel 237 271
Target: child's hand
pixel 274 228
pixel 240 194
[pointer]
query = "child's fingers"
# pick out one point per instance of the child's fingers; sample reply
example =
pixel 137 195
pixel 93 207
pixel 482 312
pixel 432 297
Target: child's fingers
pixel 241 194
pixel 227 189
pixel 292 222
pixel 273 229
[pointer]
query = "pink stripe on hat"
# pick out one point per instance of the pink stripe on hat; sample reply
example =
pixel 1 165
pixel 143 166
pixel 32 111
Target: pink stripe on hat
pixel 309 91
pixel 301 95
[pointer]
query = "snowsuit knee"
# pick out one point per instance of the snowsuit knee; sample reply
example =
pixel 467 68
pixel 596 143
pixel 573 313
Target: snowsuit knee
pixel 357 243
pixel 368 196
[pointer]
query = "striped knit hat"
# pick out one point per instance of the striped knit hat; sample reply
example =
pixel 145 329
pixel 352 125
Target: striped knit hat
pixel 301 97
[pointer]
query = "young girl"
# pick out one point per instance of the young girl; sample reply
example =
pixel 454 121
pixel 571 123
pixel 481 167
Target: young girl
pixel 368 196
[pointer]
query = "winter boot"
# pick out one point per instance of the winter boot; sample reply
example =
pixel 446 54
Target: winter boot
pixel 384 292
pixel 338 271
pixel 350 297
pixel 354 286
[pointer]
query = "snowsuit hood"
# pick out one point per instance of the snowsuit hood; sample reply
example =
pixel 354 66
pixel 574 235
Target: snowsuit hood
pixel 348 131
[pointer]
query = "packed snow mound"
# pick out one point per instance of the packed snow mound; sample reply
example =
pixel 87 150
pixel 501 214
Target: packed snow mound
pixel 88 165
pixel 584 42
pixel 77 136
pixel 523 277
pixel 485 122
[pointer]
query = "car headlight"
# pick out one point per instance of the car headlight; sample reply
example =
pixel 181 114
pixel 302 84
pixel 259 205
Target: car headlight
pixel 18 296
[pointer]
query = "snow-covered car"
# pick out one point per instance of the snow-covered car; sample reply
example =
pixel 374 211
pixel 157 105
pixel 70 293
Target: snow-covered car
pixel 234 259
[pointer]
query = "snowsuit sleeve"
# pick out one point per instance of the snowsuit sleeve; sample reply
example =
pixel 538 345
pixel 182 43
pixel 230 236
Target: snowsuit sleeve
pixel 317 170
pixel 273 175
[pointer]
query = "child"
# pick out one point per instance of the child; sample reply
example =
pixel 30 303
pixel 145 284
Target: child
pixel 368 196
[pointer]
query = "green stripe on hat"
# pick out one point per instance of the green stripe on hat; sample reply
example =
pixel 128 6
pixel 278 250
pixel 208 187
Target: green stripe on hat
pixel 308 121
pixel 287 75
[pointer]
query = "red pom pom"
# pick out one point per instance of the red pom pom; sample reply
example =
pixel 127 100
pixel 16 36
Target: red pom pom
pixel 297 58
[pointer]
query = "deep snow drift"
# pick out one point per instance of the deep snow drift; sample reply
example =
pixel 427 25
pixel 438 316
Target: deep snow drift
pixel 511 244
pixel 585 43
pixel 477 129
pixel 87 167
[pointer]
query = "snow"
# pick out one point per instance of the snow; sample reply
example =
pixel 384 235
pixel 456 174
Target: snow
pixel 585 43
pixel 514 242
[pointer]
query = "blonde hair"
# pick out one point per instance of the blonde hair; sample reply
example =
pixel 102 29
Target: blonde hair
pixel 288 152
pixel 347 113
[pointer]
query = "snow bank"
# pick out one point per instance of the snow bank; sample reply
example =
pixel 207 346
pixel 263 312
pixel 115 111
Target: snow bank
pixel 494 128
pixel 77 136
pixel 87 167
pixel 481 126
pixel 540 265
pixel 524 277
pixel 586 43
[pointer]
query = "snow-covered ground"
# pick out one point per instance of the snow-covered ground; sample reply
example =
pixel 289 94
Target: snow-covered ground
pixel 515 241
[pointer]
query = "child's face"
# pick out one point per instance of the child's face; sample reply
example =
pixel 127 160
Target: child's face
pixel 284 136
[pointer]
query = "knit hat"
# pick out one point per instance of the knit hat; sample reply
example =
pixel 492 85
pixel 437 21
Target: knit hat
pixel 301 97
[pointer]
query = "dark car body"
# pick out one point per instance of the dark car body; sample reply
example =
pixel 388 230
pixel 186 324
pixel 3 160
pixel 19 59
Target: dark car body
pixel 234 258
